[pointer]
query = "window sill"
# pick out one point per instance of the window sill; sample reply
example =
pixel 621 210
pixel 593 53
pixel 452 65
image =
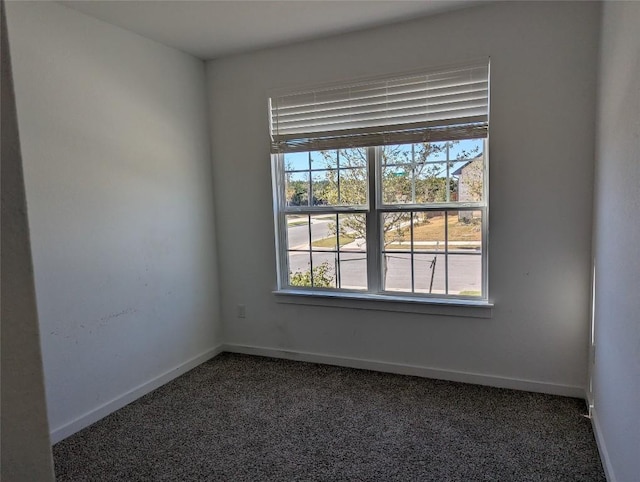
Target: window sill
pixel 404 304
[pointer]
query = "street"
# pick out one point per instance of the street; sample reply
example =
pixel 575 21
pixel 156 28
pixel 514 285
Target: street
pixel 299 235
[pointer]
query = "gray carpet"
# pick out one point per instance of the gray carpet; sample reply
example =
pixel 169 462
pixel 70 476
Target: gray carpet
pixel 246 418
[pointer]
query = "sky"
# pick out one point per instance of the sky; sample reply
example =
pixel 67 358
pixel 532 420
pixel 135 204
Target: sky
pixel 465 149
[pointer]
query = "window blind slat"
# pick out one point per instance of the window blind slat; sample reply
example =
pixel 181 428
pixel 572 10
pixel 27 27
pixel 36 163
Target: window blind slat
pixel 395 114
pixel 285 109
pixel 434 105
pixel 383 105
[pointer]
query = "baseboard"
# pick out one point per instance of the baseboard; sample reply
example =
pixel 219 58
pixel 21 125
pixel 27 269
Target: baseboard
pixel 602 448
pixel 64 431
pixel 403 369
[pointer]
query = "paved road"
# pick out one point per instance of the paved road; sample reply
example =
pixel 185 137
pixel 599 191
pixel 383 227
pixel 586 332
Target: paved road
pixel 299 235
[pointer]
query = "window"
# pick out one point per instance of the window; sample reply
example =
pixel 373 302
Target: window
pixel 380 187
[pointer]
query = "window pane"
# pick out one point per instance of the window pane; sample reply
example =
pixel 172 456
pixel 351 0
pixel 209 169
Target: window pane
pixel 466 149
pixel 349 190
pixel 323 232
pixel 467 180
pixel 356 157
pixel 297 188
pixel 324 270
pixel 324 159
pixel 435 151
pixel 299 268
pixel 465 274
pixel 296 161
pixel 465 231
pixel 353 232
pixel 396 268
pixel 397 154
pixel 431 183
pixel 353 186
pixel 353 256
pixel 396 231
pixel 396 184
pixel 429 273
pixel 428 232
pixel 325 187
pixel 465 249
pixel 297 231
pixel 353 270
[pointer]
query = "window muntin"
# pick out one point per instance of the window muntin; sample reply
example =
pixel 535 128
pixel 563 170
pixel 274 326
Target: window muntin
pixel 427 173
pixel 326 178
pixel 431 220
pixel 324 251
pixel 433 252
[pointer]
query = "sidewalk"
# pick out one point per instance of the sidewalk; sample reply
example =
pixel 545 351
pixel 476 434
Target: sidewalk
pixel 360 244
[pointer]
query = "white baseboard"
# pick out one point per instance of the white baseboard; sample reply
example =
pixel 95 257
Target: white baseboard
pixel 64 431
pixel 402 369
pixel 602 448
pixel 117 403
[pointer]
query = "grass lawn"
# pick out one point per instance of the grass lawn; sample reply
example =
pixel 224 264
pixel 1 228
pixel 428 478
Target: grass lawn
pixel 431 231
pixel 434 231
pixel 299 220
pixel 330 242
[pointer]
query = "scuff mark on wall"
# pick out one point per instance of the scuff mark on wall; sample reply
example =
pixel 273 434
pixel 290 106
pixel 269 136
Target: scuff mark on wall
pixel 116 315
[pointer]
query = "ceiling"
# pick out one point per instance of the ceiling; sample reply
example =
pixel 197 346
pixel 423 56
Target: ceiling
pixel 211 29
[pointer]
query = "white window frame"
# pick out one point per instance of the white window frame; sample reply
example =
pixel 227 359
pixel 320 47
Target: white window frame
pixel 373 210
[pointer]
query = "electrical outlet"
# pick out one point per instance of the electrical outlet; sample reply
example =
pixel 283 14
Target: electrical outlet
pixel 242 311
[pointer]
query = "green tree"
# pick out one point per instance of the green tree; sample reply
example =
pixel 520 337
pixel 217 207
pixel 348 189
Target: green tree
pixel 319 277
pixel 296 190
pixel 405 179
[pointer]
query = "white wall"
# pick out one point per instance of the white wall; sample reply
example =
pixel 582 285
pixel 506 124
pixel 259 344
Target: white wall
pixel 616 372
pixel 118 180
pixel 24 438
pixel 543 81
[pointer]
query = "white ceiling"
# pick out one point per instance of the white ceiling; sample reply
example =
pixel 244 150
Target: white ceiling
pixel 211 29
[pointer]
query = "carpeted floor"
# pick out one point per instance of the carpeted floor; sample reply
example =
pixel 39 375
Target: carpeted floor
pixel 246 418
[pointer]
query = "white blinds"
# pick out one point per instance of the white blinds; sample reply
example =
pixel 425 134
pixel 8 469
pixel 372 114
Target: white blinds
pixel 448 104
